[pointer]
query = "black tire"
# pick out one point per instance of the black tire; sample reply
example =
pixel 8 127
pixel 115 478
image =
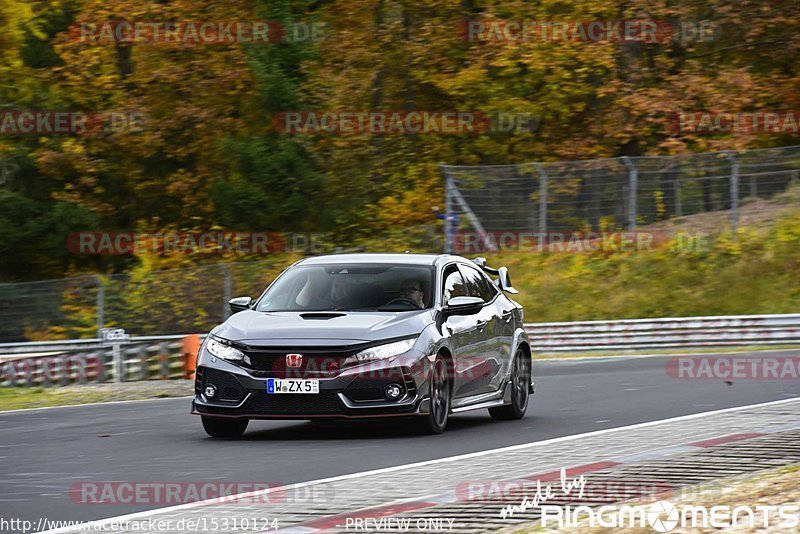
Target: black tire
pixel 440 397
pixel 218 427
pixel 520 393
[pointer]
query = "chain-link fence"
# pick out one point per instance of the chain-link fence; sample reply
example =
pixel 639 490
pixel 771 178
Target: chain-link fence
pixel 594 195
pixel 611 194
pixel 176 301
pixel 159 302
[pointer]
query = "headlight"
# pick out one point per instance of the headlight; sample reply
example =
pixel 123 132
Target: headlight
pixel 381 352
pixel 221 350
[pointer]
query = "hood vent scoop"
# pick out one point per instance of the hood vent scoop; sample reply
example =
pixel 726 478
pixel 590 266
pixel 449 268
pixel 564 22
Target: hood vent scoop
pixel 322 315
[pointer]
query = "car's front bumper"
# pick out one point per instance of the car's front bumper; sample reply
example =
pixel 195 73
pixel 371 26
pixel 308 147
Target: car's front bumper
pixel 351 395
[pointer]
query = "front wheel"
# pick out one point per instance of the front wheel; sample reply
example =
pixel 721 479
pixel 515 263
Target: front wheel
pixel 218 427
pixel 435 421
pixel 520 384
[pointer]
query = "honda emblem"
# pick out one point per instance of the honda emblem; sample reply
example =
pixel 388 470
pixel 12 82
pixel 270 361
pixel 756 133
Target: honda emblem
pixel 294 360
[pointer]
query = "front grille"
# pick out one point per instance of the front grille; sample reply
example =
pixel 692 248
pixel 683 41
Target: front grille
pixel 316 362
pixel 228 387
pixel 323 403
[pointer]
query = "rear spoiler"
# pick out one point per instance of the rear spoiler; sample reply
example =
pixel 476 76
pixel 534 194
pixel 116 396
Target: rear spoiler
pixel 503 279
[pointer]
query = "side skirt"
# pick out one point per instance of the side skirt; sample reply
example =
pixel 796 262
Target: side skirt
pixel 484 400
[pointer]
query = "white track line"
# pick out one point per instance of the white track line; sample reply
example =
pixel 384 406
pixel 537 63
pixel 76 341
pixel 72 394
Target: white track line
pixel 96 525
pixel 611 357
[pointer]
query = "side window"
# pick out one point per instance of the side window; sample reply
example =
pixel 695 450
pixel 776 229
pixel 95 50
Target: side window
pixel 477 284
pixel 489 286
pixel 453 284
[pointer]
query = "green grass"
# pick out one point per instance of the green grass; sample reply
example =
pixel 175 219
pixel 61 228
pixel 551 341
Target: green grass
pixel 16 398
pixel 746 272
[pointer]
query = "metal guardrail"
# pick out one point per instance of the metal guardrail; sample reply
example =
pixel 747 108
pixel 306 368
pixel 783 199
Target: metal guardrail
pixel 90 361
pixel 66 345
pixel 54 363
pixel 667 333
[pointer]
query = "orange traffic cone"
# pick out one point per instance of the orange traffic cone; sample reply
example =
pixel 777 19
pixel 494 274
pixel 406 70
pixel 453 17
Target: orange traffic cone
pixel 191 346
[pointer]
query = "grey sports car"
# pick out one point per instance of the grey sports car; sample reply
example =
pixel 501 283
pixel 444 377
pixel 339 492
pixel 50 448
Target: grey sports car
pixel 368 335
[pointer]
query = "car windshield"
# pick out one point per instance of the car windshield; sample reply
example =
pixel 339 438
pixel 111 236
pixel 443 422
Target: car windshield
pixel 348 287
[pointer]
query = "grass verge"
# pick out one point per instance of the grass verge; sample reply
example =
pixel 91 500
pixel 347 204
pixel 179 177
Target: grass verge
pixel 750 271
pixel 17 398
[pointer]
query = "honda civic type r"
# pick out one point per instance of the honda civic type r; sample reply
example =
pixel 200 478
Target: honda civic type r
pixel 364 336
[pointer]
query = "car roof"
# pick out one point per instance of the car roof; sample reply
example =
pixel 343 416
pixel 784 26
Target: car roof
pixel 397 259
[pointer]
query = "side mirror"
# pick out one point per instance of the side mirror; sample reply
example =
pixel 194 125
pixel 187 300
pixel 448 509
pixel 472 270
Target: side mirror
pixel 504 281
pixel 463 306
pixel 240 304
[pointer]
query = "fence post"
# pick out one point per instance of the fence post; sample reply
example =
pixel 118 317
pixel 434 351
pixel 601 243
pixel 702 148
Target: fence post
pixel 11 372
pixel 633 182
pixel 44 366
pixel 227 290
pixel 62 362
pixel 144 361
pixel 119 363
pixel 542 206
pixel 448 210
pixel 102 359
pixel 678 206
pixel 79 362
pixel 163 354
pixel 30 371
pixel 101 298
pixel 731 156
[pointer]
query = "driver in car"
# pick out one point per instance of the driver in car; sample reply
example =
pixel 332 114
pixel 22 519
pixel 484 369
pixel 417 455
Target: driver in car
pixel 339 292
pixel 412 290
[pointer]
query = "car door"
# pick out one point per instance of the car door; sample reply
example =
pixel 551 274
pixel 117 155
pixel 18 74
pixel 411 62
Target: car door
pixel 490 359
pixel 462 331
pixel 506 310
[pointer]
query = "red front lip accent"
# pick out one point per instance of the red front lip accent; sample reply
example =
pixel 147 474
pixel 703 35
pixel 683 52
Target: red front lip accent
pixel 306 416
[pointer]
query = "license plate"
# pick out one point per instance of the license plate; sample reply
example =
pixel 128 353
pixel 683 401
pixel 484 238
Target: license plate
pixel 289 385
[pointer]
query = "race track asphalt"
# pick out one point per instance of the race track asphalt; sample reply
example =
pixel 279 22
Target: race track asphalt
pixel 44 452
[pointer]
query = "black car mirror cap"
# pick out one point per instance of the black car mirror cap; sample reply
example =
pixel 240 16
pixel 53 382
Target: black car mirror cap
pixel 503 278
pixel 240 304
pixel 463 306
pixel 504 281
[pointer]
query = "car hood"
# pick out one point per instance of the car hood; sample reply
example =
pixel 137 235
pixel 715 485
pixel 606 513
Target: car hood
pixel 287 328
